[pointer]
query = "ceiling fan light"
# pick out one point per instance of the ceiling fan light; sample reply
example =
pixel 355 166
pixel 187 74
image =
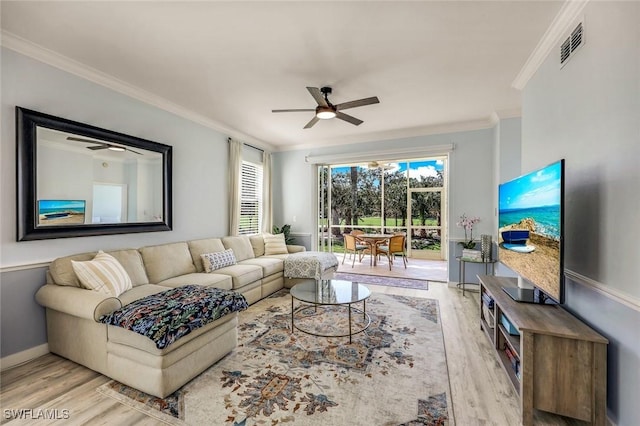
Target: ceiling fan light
pixel 116 148
pixel 325 113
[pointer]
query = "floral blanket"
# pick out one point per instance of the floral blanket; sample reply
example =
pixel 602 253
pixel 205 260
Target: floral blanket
pixel 167 316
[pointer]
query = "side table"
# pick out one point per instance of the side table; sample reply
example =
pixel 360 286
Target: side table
pixel 462 263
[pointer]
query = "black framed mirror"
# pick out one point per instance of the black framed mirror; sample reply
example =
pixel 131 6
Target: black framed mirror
pixel 76 180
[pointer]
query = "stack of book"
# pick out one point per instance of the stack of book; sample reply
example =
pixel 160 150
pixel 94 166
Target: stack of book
pixel 487 300
pixel 472 255
pixel 515 363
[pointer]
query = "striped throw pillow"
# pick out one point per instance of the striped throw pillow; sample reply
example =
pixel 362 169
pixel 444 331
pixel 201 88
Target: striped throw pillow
pixel 103 274
pixel 217 260
pixel 274 244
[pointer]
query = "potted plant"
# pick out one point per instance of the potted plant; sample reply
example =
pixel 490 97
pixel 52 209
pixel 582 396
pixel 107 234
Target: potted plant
pixel 467 223
pixel 286 230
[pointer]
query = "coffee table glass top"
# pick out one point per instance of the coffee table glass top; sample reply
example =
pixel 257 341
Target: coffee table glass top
pixel 330 292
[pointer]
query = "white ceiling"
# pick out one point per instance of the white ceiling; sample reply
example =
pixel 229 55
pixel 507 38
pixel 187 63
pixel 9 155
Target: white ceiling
pixel 432 64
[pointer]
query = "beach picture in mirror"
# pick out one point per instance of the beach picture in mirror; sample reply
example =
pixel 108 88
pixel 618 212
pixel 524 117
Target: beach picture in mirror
pixel 77 180
pixel 60 212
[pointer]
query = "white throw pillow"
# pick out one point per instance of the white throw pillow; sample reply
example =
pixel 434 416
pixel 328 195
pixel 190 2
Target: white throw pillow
pixel 274 244
pixel 217 260
pixel 103 274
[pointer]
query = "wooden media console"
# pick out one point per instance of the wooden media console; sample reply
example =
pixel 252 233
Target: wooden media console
pixel 556 364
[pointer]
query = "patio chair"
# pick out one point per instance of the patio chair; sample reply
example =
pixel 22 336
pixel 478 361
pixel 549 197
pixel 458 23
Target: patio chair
pixel 368 250
pixel 352 247
pixel 395 247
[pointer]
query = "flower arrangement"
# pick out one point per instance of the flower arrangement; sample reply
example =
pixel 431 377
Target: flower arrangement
pixel 467 223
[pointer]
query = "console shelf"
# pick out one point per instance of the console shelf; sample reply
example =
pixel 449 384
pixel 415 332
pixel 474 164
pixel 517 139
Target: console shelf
pixel 558 363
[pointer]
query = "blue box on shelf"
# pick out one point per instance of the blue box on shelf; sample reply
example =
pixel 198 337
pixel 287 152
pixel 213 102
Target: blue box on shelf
pixel 508 326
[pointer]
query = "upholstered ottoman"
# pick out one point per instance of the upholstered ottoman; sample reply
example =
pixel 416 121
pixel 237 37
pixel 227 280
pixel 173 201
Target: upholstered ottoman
pixel 308 264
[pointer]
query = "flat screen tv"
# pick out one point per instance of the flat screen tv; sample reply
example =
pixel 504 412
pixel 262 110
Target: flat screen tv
pixel 530 234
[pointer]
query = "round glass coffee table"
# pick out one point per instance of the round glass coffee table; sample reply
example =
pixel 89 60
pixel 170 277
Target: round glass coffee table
pixel 327 293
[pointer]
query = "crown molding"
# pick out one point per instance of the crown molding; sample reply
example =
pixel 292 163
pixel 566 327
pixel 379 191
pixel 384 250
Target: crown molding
pixel 505 114
pixel 461 126
pixel 570 10
pixel 385 155
pixel 64 63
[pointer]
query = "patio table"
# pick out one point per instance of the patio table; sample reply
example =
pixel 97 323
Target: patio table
pixel 373 240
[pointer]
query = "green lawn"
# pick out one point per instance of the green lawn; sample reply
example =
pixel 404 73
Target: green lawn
pixel 338 246
pixel 390 222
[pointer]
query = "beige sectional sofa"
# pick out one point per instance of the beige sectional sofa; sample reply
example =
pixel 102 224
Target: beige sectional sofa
pixel 72 312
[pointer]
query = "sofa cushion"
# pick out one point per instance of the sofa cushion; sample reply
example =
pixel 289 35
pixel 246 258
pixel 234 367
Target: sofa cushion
pixel 257 243
pixel 131 261
pixel 139 292
pixel 62 272
pixel 200 247
pixel 242 275
pixel 103 274
pixel 167 261
pixel 282 257
pixel 241 246
pixel 274 244
pixel 126 344
pixel 217 260
pixel 269 265
pixel 200 278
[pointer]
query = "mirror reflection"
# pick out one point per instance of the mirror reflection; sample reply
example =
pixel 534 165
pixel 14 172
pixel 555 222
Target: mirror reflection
pixel 82 180
pixel 77 180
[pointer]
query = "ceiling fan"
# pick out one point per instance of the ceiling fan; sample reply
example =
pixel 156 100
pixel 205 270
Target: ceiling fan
pixel 102 145
pixel 378 165
pixel 326 110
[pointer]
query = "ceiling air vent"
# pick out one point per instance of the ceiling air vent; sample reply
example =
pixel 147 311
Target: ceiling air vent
pixel 569 46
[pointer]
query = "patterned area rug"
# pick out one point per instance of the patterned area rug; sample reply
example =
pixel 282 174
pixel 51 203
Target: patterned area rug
pixel 379 280
pixel 394 373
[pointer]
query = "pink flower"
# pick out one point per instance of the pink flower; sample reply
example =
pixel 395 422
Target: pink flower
pixel 467 223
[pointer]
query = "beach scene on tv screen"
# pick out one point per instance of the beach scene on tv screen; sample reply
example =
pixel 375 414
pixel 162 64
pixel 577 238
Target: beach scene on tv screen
pixel 60 212
pixel 529 221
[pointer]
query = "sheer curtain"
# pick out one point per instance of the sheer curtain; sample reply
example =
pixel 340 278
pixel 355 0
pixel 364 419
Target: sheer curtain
pixel 267 207
pixel 235 164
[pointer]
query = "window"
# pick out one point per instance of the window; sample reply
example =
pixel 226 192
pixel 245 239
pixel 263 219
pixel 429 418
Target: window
pixel 250 198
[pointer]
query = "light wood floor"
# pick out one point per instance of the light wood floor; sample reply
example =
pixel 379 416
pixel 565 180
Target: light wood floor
pixel 481 391
pixel 432 270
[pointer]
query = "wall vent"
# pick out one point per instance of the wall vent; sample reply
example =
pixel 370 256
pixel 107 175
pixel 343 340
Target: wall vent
pixel 571 43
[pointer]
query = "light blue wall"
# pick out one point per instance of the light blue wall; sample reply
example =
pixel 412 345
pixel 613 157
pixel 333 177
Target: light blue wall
pixel 471 180
pixel 199 181
pixel 588 113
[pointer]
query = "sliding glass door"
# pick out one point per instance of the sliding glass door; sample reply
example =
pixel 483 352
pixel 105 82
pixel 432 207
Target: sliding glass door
pixel 384 197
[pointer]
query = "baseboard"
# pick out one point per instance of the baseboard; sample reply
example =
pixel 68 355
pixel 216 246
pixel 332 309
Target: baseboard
pixel 13 360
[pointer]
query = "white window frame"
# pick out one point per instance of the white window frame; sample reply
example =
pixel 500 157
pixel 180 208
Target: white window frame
pixel 251 200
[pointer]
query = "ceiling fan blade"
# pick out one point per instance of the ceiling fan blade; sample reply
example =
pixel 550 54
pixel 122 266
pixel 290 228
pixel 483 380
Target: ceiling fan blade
pixel 293 110
pixel 358 103
pixel 135 152
pixel 313 121
pixel 73 138
pixel 98 147
pixel 349 118
pixel 317 95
